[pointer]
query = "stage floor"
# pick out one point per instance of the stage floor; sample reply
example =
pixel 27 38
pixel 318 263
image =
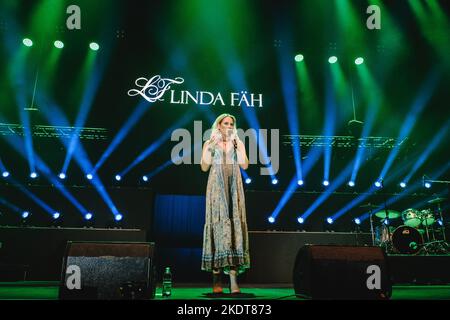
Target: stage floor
pixel 49 291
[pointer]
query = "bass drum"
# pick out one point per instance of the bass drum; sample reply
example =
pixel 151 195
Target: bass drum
pixel 407 240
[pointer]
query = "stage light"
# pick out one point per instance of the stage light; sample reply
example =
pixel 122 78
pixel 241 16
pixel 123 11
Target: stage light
pixel 59 44
pixel 301 220
pixel 351 184
pixel 248 181
pixel 357 221
pixel 88 216
pixel 427 185
pixel 89 176
pixel 33 175
pixel 378 184
pixel 62 176
pixel 332 59
pixel 439 222
pixel 359 60
pixel 386 222
pixel 403 184
pixel 25 214
pixel 5 174
pixel 325 183
pixel 274 181
pixel 145 178
pixel 271 219
pixel 118 217
pixel 118 177
pixel 56 215
pixel 27 42
pixel 300 182
pixel 330 220
pixel 94 46
pixel 299 57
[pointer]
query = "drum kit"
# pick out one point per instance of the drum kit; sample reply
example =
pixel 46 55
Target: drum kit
pixel 421 231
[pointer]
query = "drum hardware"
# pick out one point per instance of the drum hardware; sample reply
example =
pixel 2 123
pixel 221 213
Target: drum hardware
pixel 371 206
pixel 407 240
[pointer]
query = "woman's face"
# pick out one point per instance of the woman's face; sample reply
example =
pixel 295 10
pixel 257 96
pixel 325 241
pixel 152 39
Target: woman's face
pixel 226 126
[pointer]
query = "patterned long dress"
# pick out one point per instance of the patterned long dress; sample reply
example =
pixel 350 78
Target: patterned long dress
pixel 225 235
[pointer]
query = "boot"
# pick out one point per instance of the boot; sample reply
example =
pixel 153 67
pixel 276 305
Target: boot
pixel 234 288
pixel 217 282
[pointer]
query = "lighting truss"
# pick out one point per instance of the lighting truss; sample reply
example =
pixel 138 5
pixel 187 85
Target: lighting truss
pixel 342 141
pixel 41 131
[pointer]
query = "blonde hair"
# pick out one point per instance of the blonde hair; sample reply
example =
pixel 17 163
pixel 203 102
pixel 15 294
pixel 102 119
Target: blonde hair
pixel 215 131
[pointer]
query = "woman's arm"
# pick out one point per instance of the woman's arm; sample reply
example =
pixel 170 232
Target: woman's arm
pixel 241 155
pixel 206 159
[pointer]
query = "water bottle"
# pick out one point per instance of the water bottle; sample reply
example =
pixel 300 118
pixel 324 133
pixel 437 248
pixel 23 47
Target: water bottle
pixel 167 283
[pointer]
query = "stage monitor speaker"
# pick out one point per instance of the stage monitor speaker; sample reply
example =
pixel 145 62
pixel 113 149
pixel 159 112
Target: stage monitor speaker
pixel 341 272
pixel 108 271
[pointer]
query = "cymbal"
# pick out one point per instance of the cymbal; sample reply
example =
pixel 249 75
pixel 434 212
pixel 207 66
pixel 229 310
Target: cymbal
pixel 437 200
pixel 391 214
pixel 369 205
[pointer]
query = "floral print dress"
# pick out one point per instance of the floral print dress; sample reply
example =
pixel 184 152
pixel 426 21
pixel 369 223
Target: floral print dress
pixel 225 235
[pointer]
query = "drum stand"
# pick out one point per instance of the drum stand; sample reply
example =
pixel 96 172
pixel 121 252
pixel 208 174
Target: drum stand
pixel 442 221
pixel 371 227
pixel 437 246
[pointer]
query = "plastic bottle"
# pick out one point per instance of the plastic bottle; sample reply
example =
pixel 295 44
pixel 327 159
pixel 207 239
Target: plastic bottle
pixel 167 283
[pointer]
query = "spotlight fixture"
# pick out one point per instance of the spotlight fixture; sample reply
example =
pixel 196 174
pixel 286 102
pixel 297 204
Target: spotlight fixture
pixel 333 59
pixel 118 217
pixel 5 174
pixel 378 184
pixel 271 219
pixel 329 225
pixel 359 60
pixel 56 215
pixel 25 218
pixel 351 183
pixel 274 181
pixel 145 178
pixel 300 182
pixel 301 220
pixel 299 58
pixel 59 44
pixel 427 185
pixel 248 181
pixel 325 183
pixel 357 225
pixel 118 177
pixel 402 184
pixel 33 175
pixel 88 221
pixel 27 42
pixel 62 175
pixel 94 46
pixel 89 176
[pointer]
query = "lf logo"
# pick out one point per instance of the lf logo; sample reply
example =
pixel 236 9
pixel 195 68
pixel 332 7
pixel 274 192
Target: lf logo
pixel 374 281
pixel 73 281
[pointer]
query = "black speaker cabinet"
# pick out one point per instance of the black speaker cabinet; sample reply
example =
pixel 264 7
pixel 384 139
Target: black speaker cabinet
pixel 108 271
pixel 341 272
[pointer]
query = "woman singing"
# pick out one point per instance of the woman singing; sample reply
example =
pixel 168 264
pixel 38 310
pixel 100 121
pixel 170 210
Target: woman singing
pixel 225 236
